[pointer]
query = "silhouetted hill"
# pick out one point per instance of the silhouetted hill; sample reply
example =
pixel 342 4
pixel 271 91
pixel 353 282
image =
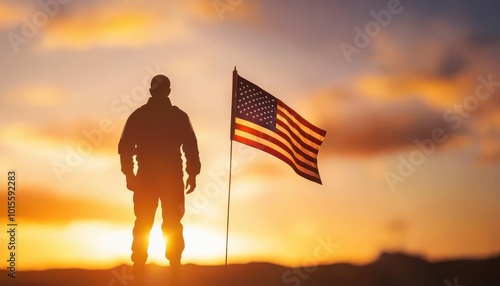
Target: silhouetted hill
pixel 387 270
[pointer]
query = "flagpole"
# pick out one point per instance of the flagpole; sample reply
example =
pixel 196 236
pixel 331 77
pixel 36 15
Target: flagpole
pixel 235 78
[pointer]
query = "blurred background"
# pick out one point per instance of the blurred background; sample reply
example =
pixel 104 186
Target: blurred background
pixel 408 91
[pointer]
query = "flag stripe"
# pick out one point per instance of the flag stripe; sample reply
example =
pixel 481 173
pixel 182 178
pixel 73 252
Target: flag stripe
pixel 304 130
pixel 305 123
pixel 288 130
pixel 274 150
pixel 262 121
pixel 286 133
pixel 278 140
pixel 278 155
pixel 307 138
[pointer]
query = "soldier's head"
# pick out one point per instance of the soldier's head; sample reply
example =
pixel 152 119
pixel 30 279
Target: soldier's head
pixel 160 86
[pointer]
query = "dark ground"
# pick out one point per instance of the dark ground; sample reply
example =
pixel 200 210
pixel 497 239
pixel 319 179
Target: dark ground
pixel 387 270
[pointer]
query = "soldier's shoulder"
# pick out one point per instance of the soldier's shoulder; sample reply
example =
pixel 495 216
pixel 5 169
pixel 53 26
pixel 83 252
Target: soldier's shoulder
pixel 140 109
pixel 178 111
pixel 138 113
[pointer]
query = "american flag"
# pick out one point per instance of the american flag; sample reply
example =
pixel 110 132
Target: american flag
pixel 262 121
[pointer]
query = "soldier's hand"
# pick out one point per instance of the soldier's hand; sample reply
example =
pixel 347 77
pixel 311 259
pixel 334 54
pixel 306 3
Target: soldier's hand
pixel 190 184
pixel 132 182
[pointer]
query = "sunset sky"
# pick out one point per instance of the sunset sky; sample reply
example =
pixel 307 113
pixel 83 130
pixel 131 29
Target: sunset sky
pixel 408 92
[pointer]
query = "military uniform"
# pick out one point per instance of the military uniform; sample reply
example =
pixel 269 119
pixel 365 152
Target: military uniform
pixel 155 133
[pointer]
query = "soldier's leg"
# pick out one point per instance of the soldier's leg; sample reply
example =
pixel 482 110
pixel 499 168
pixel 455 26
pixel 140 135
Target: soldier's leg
pixel 145 205
pixel 172 204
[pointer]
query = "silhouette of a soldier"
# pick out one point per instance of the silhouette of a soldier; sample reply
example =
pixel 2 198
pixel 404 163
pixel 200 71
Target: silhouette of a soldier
pixel 156 133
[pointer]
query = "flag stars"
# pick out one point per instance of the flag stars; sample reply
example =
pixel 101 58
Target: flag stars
pixel 256 105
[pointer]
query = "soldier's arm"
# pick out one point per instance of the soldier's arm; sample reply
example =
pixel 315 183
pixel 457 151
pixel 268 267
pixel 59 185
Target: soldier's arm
pixel 126 147
pixel 190 148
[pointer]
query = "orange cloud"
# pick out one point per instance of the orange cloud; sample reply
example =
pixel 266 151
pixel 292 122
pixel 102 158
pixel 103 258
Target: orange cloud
pixel 106 24
pixel 128 25
pixel 41 95
pixel 41 205
pixel 440 92
pixel 57 135
pixel 110 26
pixel 434 48
pixel 104 140
pixel 363 126
pixel 423 71
pixel 435 61
pixel 216 11
pixel 10 15
pixel 488 133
